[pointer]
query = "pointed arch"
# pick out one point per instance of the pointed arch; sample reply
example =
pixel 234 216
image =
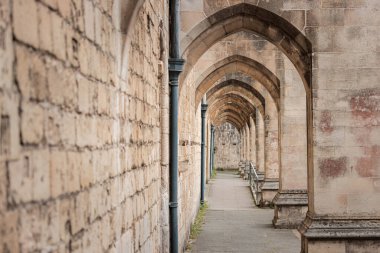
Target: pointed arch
pixel 242 64
pixel 234 86
pixel 244 16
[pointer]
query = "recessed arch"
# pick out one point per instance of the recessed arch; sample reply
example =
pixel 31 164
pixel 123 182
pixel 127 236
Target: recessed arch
pixel 229 117
pixel 235 86
pixel 232 109
pixel 233 93
pixel 240 105
pixel 244 16
pixel 228 109
pixel 235 100
pixel 221 121
pixel 231 113
pixel 234 64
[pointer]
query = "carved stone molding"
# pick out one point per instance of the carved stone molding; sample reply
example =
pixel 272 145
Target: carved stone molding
pixel 290 207
pixel 322 227
pixel 291 198
pixel 270 184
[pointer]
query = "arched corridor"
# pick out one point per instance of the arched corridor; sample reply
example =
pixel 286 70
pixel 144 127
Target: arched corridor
pixel 116 114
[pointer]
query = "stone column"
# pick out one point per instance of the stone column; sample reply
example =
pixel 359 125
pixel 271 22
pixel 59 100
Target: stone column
pixel 243 144
pixel 344 164
pixel 242 151
pixel 270 186
pixel 291 200
pixel 253 141
pixel 260 140
pixel 247 141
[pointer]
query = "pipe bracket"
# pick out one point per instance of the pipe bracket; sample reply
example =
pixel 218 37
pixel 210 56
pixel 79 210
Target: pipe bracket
pixel 173 204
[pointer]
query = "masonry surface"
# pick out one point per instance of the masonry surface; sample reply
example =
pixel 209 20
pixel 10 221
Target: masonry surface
pixel 293 93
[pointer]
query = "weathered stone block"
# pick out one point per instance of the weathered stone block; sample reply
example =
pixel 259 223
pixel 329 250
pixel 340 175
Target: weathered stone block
pixel 103 100
pixel 20 181
pixel 80 213
pixel 89 19
pixel 73 172
pixel 59 41
pixel 39 165
pixel 98 25
pixel 64 211
pixel 25 21
pixel 31 74
pixel 45 31
pixel 68 129
pixel 86 170
pixel 290 208
pixel 32 123
pixel 58 168
pixel 9 231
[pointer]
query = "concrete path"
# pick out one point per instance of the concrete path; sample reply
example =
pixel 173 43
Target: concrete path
pixel 234 224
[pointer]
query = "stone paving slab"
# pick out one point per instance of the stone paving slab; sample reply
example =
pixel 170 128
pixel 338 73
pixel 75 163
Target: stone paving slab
pixel 234 224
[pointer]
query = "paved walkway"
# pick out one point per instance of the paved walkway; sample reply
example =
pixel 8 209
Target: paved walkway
pixel 234 224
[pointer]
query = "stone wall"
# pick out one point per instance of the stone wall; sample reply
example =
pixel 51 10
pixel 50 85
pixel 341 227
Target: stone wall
pixel 80 144
pixel 189 161
pixel 84 114
pixel 227 147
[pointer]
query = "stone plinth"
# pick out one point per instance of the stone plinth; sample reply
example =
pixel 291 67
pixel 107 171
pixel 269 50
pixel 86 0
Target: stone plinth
pixel 340 234
pixel 268 191
pixel 290 207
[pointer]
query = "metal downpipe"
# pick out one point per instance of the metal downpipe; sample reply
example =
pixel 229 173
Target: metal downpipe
pixel 212 150
pixel 203 151
pixel 175 69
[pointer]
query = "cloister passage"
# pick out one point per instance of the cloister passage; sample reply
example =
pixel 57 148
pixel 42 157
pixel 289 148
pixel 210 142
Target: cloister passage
pixel 247 77
pixel 115 115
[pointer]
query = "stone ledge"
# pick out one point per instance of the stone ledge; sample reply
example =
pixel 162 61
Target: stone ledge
pixel 291 198
pixel 261 176
pixel 270 184
pixel 317 227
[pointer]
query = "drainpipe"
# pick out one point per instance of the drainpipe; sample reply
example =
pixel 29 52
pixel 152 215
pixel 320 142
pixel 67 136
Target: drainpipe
pixel 175 69
pixel 212 150
pixel 213 147
pixel 203 172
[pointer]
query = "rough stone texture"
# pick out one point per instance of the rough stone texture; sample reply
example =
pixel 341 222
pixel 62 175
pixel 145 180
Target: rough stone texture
pixel 290 207
pixel 227 147
pixel 84 114
pixel 80 146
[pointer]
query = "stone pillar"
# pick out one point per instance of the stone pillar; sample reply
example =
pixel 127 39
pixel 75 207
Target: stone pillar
pixel 260 140
pixel 291 200
pixel 242 144
pixel 247 141
pixel 344 164
pixel 253 141
pixel 270 186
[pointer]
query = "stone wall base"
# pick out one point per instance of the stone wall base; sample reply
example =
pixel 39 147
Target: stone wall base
pixel 340 234
pixel 269 190
pixel 290 208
